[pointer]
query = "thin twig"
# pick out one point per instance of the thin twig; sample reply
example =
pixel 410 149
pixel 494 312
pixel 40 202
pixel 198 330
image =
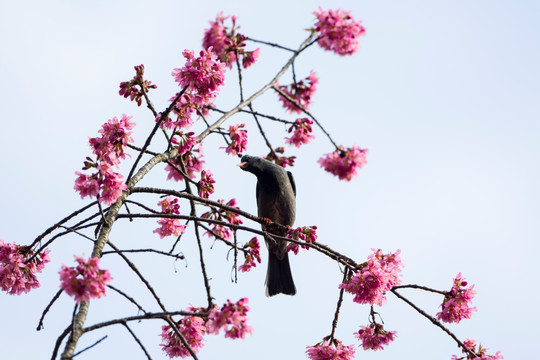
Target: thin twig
pixel 434 322
pixel 91 346
pixel 55 297
pixel 137 340
pixel 295 103
pixel 338 307
pixel 129 298
pixel 413 286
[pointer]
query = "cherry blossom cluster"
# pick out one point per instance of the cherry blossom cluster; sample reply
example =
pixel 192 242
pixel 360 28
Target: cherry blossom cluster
pixel 184 142
pixel 228 44
pixel 109 149
pixel 129 88
pixel 481 352
pixel 374 336
pixel 202 75
pixel 201 79
pixel 191 161
pixel 374 277
pixel 192 329
pixel 206 185
pixel 301 92
pixel 222 231
pixel 252 255
pixel 344 163
pixel 183 108
pixel 301 130
pixel 280 160
pixel 231 317
pixel 334 351
pixel 305 233
pixel 456 304
pixel 16 275
pixel 238 140
pixel 339 32
pixel 85 281
pixel 168 226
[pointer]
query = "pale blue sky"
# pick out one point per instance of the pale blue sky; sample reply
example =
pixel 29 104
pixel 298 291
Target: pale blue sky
pixel 445 94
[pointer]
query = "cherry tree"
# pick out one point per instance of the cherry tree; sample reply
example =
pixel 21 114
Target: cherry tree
pixel 186 210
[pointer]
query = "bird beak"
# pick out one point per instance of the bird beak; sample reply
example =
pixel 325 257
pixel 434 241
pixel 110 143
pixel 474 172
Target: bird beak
pixel 242 164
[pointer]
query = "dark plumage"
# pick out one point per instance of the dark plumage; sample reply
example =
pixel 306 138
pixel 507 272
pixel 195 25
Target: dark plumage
pixel 276 201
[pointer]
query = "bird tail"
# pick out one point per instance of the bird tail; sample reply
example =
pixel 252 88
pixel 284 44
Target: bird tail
pixel 278 276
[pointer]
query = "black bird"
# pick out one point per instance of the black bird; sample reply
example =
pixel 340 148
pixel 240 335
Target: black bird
pixel 276 200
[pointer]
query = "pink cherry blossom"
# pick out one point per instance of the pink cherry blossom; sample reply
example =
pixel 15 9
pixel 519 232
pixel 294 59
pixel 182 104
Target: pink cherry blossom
pixel 16 275
pixel 227 44
pixel 326 351
pixel 222 231
pixel 192 162
pixel 192 329
pixel 115 135
pixel 85 281
pixel 206 184
pixel 339 32
pixel 201 75
pixel 129 88
pixel 232 318
pixel 374 277
pixel 282 161
pixel 168 226
pixel 344 163
pixel 481 352
pixel 238 140
pixel 190 102
pixel 112 184
pixel 374 336
pixel 456 304
pixel 86 185
pixel 184 141
pixel 250 57
pixel 301 92
pixel 252 255
pixel 109 149
pixel 306 233
pixel 302 132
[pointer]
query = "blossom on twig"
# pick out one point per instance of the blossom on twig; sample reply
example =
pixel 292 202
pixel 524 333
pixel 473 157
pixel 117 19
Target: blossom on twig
pixel 344 163
pixel 301 92
pixel 238 140
pixel 228 44
pixel 374 277
pixel 192 329
pixel 480 352
pixel 326 351
pixel 222 231
pixel 85 281
pixel 456 304
pixel 109 149
pixel 374 336
pixel 18 276
pixel 252 255
pixel 168 226
pixel 129 88
pixel 301 130
pixel 232 318
pixel 339 32
pixel 305 233
pixel 206 184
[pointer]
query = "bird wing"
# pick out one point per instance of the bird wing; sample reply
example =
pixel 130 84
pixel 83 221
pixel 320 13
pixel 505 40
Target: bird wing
pixel 257 193
pixel 291 179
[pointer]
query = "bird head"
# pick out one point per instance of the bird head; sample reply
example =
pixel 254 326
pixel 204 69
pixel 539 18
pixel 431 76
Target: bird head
pixel 251 163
